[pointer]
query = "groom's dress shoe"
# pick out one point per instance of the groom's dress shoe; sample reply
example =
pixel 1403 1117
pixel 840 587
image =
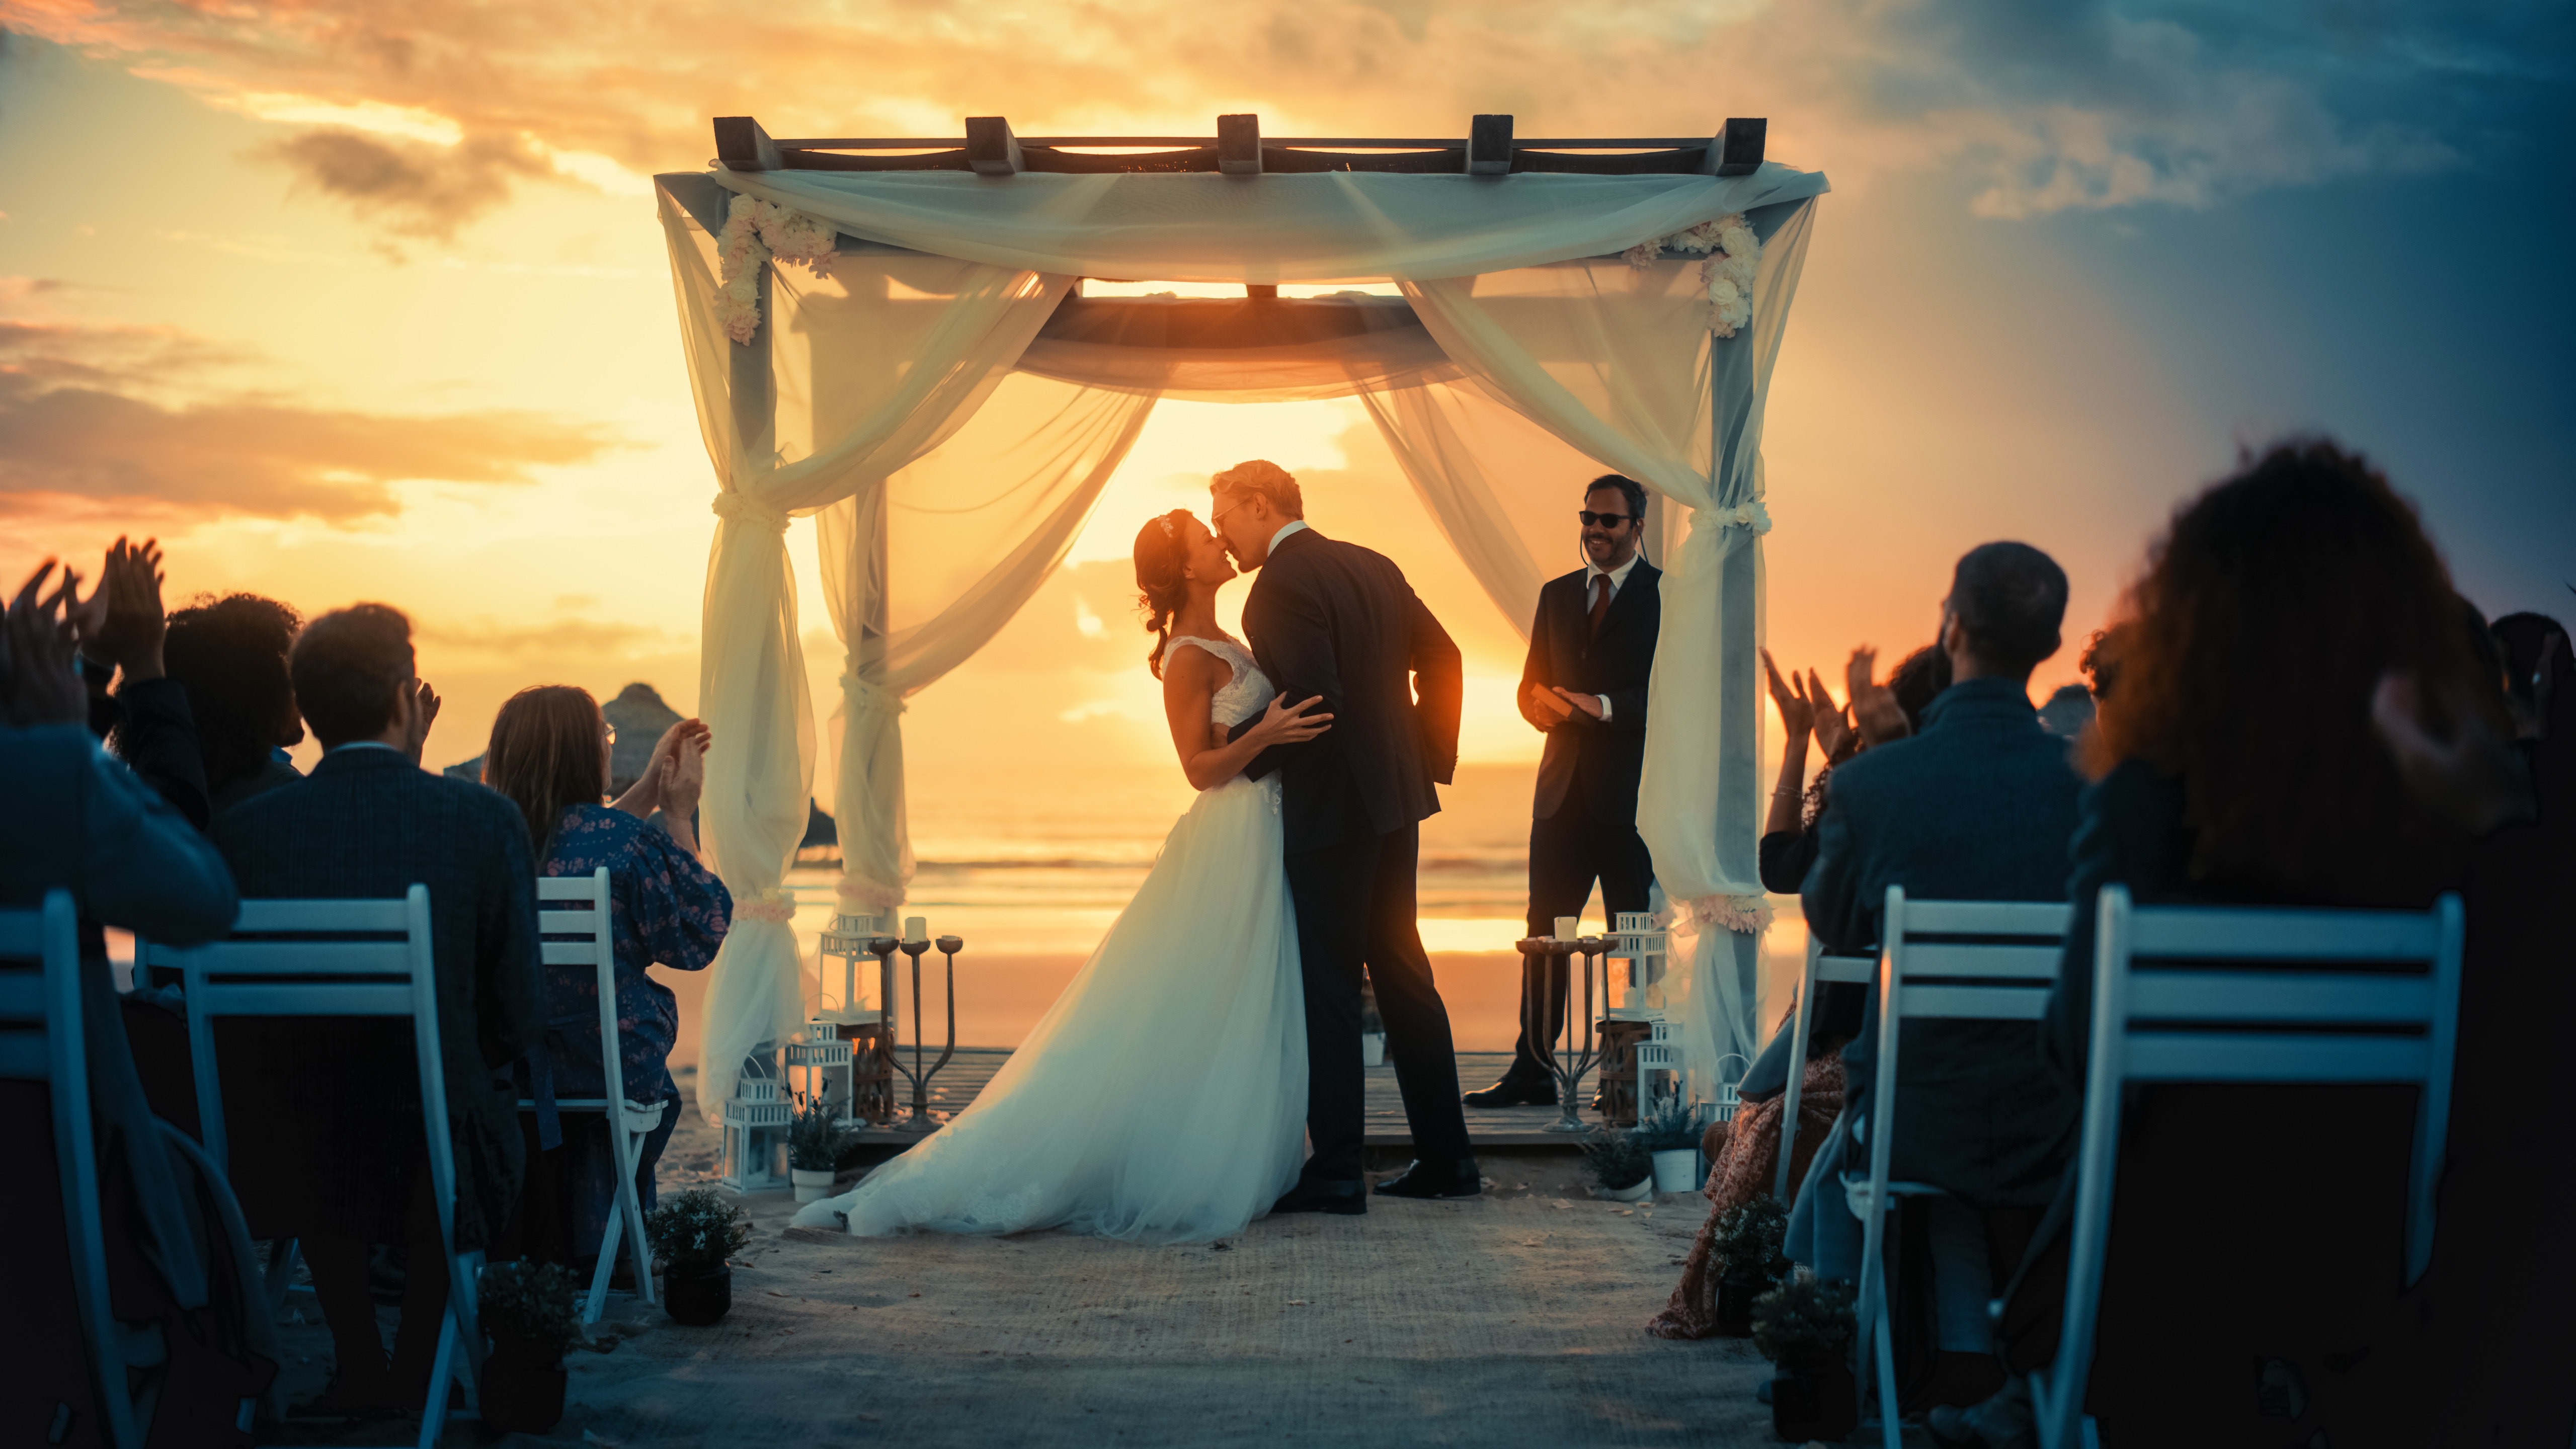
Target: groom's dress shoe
pixel 1325 1197
pixel 1458 1178
pixel 1512 1092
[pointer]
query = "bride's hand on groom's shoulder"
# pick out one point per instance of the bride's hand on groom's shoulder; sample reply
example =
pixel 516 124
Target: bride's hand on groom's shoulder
pixel 1286 724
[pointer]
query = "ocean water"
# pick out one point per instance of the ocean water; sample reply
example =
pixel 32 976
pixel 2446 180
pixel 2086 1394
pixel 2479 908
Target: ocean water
pixel 1022 867
pixel 1030 873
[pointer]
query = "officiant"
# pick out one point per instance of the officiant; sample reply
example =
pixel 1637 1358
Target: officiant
pixel 1584 687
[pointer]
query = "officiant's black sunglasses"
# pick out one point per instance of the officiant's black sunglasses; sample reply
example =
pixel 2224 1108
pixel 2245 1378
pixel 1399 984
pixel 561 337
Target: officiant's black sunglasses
pixel 1606 520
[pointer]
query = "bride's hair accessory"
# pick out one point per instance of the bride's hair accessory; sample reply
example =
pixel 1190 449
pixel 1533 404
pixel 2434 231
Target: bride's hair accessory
pixel 1168 530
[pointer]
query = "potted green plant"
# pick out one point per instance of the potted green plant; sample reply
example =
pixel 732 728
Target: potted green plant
pixel 814 1146
pixel 1669 1133
pixel 1620 1168
pixel 531 1313
pixel 694 1232
pixel 1747 1243
pixel 1804 1326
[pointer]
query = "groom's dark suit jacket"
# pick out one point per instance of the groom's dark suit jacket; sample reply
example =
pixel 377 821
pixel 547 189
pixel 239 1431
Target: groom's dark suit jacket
pixel 1335 620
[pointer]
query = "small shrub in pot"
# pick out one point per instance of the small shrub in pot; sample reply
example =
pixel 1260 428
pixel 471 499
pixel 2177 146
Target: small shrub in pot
pixel 532 1313
pixel 1617 1161
pixel 1805 1327
pixel 694 1232
pixel 1747 1243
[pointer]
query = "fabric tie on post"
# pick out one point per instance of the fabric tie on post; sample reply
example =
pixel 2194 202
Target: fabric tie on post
pixel 736 508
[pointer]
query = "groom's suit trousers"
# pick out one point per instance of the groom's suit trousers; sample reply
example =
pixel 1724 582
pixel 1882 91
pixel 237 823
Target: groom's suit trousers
pixel 1355 907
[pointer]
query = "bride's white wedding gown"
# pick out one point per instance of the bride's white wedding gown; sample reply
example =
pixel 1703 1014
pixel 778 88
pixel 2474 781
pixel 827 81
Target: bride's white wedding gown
pixel 1163 1096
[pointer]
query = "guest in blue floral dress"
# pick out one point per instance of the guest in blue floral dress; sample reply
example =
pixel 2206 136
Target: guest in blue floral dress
pixel 549 754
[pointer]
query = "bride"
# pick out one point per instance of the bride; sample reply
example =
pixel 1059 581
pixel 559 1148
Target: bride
pixel 1163 1096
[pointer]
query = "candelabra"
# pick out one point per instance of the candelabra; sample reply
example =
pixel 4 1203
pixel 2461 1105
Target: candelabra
pixel 915 942
pixel 1582 1047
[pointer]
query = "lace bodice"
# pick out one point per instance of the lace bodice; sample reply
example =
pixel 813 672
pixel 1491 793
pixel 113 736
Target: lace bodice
pixel 1247 694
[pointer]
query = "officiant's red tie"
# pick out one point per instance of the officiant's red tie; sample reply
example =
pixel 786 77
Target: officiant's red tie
pixel 1600 601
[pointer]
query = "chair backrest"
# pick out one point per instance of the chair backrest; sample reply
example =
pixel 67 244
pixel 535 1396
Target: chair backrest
pixel 1980 960
pixel 317 958
pixel 1820 970
pixel 2256 995
pixel 1959 960
pixel 40 1041
pixel 583 938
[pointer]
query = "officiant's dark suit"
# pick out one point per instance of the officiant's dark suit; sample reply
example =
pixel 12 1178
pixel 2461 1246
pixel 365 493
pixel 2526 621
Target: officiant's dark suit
pixel 1335 620
pixel 1583 824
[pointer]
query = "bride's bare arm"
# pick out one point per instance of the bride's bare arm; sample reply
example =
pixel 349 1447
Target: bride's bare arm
pixel 1191 678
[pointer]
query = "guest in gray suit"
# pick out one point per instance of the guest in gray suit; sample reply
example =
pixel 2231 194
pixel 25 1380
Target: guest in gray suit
pixel 337 1159
pixel 1978 805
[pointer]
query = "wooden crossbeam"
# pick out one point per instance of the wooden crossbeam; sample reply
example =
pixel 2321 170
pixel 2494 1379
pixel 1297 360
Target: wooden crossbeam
pixel 1489 146
pixel 991 148
pixel 1238 145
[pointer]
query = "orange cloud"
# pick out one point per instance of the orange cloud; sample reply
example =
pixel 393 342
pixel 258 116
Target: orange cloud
pixel 2043 108
pixel 416 188
pixel 104 414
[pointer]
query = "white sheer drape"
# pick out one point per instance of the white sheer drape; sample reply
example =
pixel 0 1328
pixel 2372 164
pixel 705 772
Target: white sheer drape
pixel 1336 226
pixel 1617 360
pixel 925 568
pixel 851 377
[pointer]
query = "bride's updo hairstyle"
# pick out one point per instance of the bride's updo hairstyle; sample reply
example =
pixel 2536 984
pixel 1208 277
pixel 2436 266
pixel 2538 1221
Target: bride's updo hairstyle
pixel 1161 586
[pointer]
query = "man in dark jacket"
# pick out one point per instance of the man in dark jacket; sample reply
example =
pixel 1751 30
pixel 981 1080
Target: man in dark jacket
pixel 337 1159
pixel 1591 649
pixel 1335 621
pixel 1977 806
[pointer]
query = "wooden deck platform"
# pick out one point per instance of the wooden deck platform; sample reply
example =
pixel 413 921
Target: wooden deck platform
pixel 965 1075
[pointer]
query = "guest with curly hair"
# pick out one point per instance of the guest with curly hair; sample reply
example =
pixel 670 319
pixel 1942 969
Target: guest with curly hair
pixel 230 653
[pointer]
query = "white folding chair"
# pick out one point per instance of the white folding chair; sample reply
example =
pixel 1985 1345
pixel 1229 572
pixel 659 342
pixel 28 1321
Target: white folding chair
pixel 1959 960
pixel 583 938
pixel 2160 1015
pixel 1821 971
pixel 333 958
pixel 40 1041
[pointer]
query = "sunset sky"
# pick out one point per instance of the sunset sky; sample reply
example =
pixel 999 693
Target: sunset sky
pixel 366 300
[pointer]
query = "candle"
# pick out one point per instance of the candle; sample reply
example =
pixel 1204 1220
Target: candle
pixel 916 928
pixel 1568 927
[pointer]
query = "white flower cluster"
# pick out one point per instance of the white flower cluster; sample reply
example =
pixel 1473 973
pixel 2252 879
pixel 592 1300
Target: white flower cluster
pixel 1732 255
pixel 755 232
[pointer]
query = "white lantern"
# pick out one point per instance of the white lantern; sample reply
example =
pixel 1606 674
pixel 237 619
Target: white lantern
pixel 847 943
pixel 755 1126
pixel 1636 940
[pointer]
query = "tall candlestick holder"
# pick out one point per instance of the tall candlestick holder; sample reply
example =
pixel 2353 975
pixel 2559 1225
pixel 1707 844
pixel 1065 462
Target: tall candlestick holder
pixel 915 929
pixel 1582 1046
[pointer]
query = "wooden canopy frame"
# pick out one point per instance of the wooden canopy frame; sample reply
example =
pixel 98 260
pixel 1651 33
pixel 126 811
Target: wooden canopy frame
pixel 1238 149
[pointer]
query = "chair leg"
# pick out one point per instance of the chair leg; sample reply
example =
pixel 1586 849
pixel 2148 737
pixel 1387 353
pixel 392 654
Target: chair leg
pixel 433 1410
pixel 1884 1340
pixel 280 1278
pixel 637 1243
pixel 598 1297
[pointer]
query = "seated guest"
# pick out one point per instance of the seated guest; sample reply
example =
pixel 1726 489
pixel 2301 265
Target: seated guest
pixel 1977 806
pixel 1583 685
pixel 147 720
pixel 230 654
pixel 2260 1302
pixel 1788 846
pixel 549 755
pixel 337 1159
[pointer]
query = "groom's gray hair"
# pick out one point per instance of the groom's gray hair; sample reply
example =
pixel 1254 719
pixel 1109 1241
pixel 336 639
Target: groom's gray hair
pixel 1276 486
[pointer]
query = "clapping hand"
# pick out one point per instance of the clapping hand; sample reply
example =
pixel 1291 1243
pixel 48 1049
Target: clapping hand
pixel 133 625
pixel 425 714
pixel 37 685
pixel 1873 705
pixel 1797 708
pixel 2473 777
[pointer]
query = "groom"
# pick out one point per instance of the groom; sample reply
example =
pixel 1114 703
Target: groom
pixel 1336 620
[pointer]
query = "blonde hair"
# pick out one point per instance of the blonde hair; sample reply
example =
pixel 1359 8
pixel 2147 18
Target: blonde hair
pixel 1275 485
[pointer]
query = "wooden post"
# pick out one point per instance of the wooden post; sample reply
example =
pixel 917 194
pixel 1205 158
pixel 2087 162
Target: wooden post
pixel 1489 146
pixel 743 146
pixel 1238 145
pixel 991 148
pixel 1737 151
